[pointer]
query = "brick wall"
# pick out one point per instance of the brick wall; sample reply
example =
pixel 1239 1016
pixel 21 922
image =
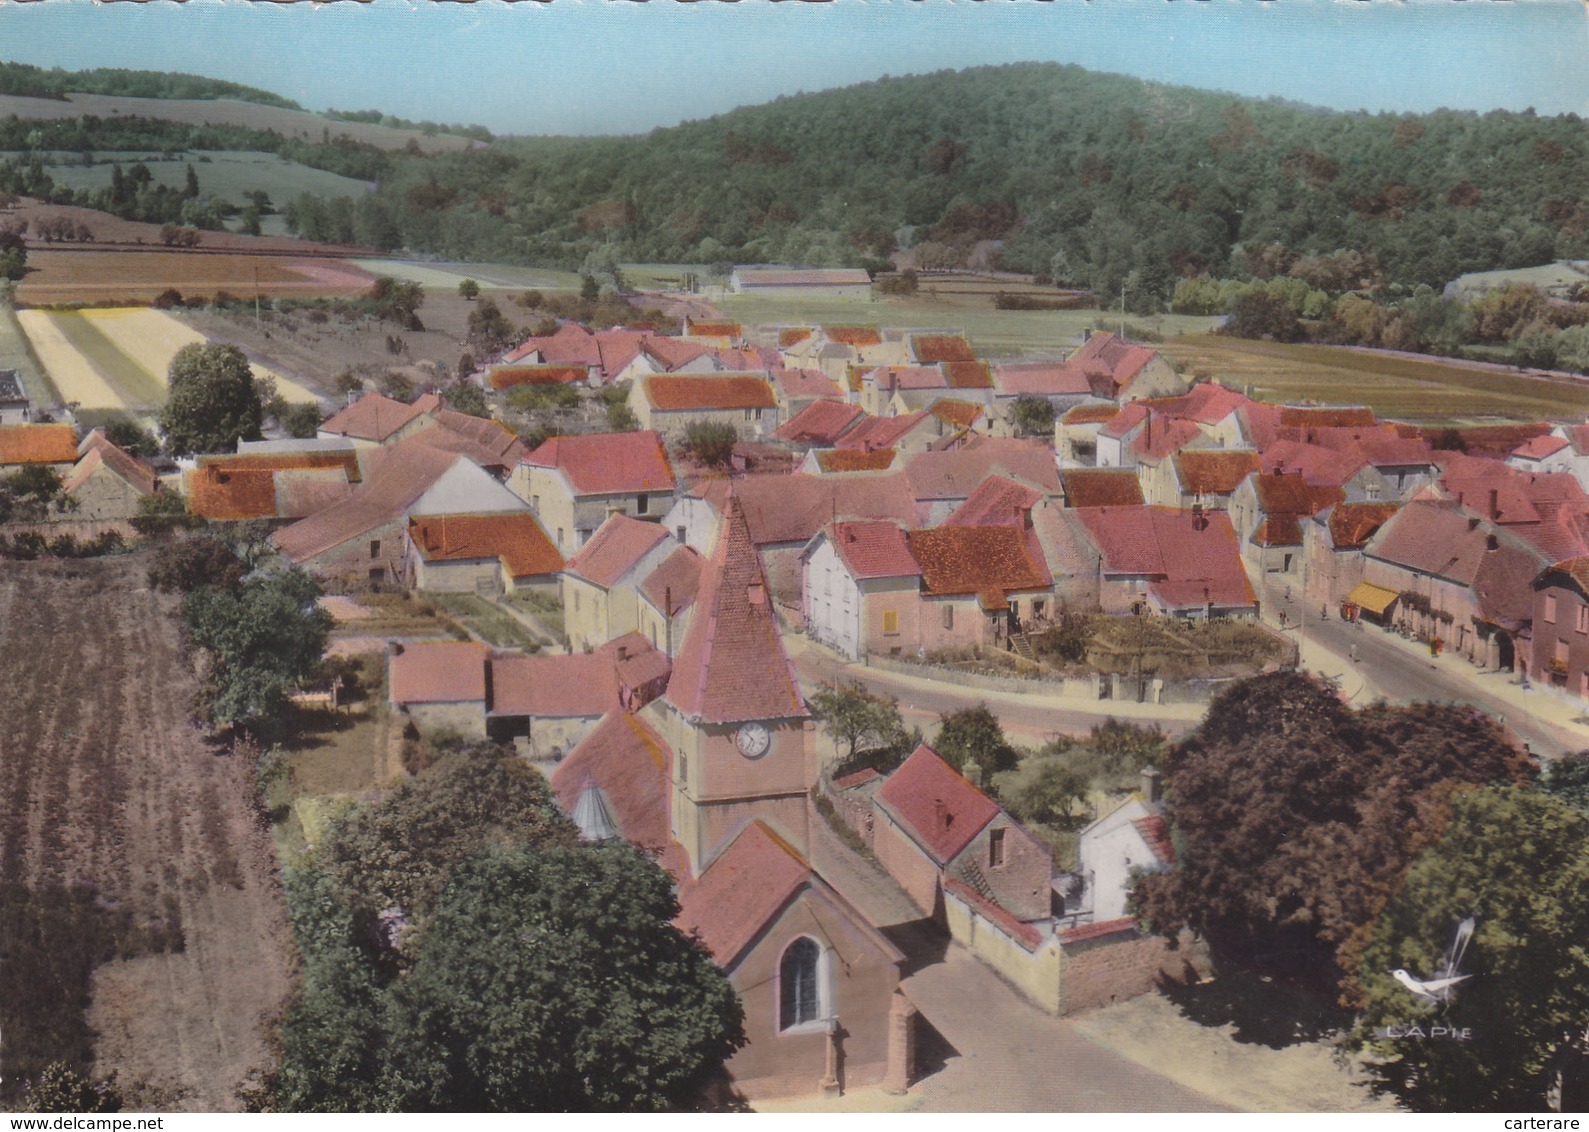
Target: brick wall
pixel 1100 971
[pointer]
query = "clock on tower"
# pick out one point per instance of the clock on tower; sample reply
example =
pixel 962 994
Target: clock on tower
pixel 753 740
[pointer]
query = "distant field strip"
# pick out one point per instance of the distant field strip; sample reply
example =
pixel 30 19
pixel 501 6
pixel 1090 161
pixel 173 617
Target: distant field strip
pixel 490 276
pixel 17 353
pixel 118 357
pixel 73 375
pixel 153 338
pixel 1417 389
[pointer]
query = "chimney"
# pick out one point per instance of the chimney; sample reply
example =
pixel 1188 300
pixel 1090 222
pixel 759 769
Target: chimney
pixel 1473 523
pixel 1150 786
pixel 1491 543
pixel 1495 503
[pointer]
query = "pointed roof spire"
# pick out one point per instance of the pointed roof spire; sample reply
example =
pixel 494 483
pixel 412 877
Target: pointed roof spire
pixel 593 815
pixel 732 666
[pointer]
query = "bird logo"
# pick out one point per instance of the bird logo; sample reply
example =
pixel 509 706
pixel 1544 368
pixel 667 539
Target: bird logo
pixel 1439 987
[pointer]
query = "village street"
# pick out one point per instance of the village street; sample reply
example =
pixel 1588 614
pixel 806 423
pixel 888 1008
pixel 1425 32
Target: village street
pixel 989 1049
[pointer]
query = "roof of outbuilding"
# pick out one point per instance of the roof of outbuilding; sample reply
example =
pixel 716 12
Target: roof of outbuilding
pixel 976 560
pixel 821 422
pixel 1205 471
pixel 516 538
pixel 672 586
pixel 873 549
pixel 1101 487
pixel 439 672
pixel 38 444
pixel 615 548
pixel 1353 524
pixel 938 807
pixel 373 416
pixel 98 451
pixel 880 432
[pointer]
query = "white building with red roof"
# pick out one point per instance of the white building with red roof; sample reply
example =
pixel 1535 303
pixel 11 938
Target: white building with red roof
pixel 1128 839
pixel 860 589
pixel 601 582
pixel 1174 562
pixel 670 403
pixel 573 483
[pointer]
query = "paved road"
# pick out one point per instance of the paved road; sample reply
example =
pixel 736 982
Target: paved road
pixel 1401 671
pixel 987 1048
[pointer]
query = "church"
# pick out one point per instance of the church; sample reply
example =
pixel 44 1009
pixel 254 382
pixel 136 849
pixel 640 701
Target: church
pixel 715 778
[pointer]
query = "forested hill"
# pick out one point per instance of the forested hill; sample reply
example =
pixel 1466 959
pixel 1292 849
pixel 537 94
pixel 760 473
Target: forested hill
pixel 1085 176
pixel 36 82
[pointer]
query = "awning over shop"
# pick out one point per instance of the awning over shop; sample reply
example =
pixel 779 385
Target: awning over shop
pixel 1374 599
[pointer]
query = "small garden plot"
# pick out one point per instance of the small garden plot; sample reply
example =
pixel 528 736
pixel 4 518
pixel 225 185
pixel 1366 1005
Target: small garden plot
pixel 545 608
pixel 1175 649
pixel 481 617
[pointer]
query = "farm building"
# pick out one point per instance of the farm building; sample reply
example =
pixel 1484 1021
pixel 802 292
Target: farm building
pixel 670 403
pixel 107 483
pixel 841 282
pixel 487 554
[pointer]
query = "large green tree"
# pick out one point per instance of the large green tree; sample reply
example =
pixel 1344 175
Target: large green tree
pixel 854 717
pixel 1297 818
pixel 972 736
pixel 1516 861
pixel 263 638
pixel 211 403
pixel 555 980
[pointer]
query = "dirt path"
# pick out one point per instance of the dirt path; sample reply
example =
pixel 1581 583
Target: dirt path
pixel 103 782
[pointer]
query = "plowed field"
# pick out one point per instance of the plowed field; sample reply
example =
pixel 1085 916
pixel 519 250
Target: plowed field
pixel 140 276
pixel 106 788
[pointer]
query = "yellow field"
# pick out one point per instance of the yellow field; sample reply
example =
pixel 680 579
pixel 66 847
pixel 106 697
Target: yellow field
pixel 72 374
pixel 118 358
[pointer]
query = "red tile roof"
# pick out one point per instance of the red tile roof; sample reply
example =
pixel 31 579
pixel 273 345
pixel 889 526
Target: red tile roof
pixel 793 335
pixel 513 537
pixel 498 444
pixel 712 329
pixel 672 353
pixel 672 586
pixel 929 349
pixel 37 444
pixel 939 808
pixel 890 378
pixel 506 377
pixel 1439 539
pixel 1025 934
pixel 880 432
pixel 731 666
pixel 633 768
pixel 1206 403
pixel 577 686
pixel 1091 414
pixel 968 375
pixel 1113 360
pixel 1539 447
pixel 821 422
pixel 1278 530
pixel 873 549
pixel 1161 437
pixel 741 891
pixel 1101 487
pixel 853 335
pixel 605 463
pixel 952 411
pixel 1156 832
pixel 976 560
pixel 1083 932
pixel 222 494
pixel 956 473
pixel 790 509
pixel 1190 560
pixel 1293 496
pixel 347 460
pixel 409 470
pixel 849 460
pixel 1314 463
pixel 1043 379
pixel 1215 471
pixel 373 416
pixel 683 393
pixel 996 501
pixel 439 672
pixel 1353 524
pixel 806 383
pixel 97 451
pixel 1127 418
pixel 616 547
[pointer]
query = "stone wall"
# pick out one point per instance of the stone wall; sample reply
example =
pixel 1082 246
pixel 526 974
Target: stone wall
pixel 1097 972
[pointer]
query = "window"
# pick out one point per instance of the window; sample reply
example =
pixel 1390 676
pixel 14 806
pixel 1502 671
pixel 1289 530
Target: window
pixel 750 414
pixel 679 531
pixel 1550 608
pixel 948 617
pixel 684 770
pixel 891 620
pixel 375 548
pixel 535 504
pixel 1581 615
pixel 799 989
pixel 996 849
pixel 641 503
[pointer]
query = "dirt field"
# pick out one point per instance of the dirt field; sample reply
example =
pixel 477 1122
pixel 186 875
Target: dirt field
pixel 140 276
pixel 104 784
pixel 1429 390
pixel 227 112
pixel 112 232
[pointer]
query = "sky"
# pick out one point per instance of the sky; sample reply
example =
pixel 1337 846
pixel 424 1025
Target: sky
pixel 616 66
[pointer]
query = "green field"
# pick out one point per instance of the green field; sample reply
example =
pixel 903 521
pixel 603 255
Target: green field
pixel 993 333
pixel 491 276
pixel 17 354
pixel 1430 391
pixel 136 385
